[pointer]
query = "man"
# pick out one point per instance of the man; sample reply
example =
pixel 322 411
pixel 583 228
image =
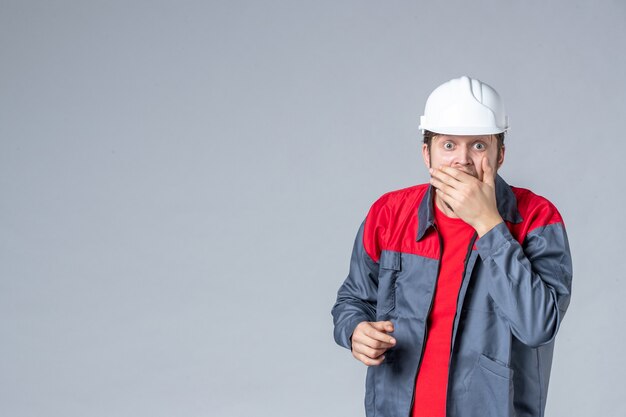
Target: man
pixel 457 288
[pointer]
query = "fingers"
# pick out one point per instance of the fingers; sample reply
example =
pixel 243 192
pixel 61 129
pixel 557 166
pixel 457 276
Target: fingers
pixel 488 176
pixel 367 360
pixel 457 185
pixel 445 183
pixel 383 326
pixel 370 341
pixel 368 351
pixel 440 185
pixel 455 173
pixel 377 332
pixel 448 177
pixel 365 333
pixel 451 202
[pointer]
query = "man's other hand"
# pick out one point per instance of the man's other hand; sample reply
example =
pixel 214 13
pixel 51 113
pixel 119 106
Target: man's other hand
pixel 370 341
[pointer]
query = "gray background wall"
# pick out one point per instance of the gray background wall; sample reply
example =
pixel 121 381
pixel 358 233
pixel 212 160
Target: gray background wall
pixel 181 183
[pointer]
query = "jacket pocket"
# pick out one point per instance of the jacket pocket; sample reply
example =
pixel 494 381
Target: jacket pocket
pixel 490 390
pixel 390 265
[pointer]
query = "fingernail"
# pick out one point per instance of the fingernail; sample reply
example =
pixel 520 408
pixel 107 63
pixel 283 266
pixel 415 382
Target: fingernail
pixel 431 170
pixel 392 340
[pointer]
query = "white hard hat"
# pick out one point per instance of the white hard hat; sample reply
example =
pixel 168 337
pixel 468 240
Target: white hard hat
pixel 464 106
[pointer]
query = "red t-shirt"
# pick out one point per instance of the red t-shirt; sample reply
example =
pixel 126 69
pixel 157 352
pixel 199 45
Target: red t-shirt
pixel 432 380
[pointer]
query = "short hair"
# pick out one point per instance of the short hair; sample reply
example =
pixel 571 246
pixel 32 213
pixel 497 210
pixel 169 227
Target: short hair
pixel 428 139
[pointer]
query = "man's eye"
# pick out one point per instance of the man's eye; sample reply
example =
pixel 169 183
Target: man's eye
pixel 448 145
pixel 479 146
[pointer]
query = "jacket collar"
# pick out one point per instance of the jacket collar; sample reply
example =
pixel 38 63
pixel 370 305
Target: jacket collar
pixel 507 206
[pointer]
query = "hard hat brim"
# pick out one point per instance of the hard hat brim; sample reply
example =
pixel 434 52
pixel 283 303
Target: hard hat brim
pixel 463 130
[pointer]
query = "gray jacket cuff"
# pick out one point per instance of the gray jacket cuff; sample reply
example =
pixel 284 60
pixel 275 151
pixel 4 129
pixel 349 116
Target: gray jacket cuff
pixel 494 240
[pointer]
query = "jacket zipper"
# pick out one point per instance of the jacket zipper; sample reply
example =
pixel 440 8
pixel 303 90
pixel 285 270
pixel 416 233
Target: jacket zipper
pixel 432 301
pixel 467 257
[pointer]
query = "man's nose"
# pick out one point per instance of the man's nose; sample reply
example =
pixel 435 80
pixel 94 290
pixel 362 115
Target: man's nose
pixel 462 156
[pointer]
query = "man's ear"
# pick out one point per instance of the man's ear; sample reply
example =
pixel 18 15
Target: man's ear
pixel 501 156
pixel 426 155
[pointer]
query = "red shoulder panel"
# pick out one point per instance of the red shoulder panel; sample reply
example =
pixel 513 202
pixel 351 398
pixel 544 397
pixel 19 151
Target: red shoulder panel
pixel 536 211
pixel 391 224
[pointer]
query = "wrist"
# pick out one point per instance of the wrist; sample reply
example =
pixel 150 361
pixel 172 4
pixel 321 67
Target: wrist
pixel 485 226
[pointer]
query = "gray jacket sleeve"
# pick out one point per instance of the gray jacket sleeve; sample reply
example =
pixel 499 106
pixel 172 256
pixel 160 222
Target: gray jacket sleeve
pixel 530 284
pixel 356 298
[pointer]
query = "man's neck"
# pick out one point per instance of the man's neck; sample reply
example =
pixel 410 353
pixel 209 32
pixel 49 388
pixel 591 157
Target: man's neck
pixel 445 208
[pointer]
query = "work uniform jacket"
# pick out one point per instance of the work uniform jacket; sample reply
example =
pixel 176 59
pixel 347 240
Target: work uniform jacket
pixel 515 291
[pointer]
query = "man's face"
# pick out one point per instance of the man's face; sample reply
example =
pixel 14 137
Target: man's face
pixel 463 152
